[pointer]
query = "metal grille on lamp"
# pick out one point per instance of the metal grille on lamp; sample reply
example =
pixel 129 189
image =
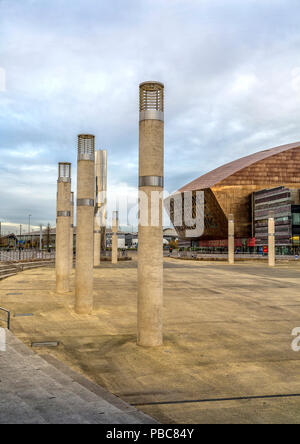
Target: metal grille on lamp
pixel 86 147
pixel 64 172
pixel 151 101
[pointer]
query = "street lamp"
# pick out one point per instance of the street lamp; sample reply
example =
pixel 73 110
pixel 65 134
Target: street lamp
pixel 29 216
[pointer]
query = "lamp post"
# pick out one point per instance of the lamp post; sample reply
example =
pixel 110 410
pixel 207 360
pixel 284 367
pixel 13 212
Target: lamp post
pixel 84 300
pixel 20 242
pixel 114 244
pixel 271 239
pixel 41 236
pixel 150 237
pixel 231 239
pixel 100 204
pixel 29 216
pixel 63 227
pixel 72 233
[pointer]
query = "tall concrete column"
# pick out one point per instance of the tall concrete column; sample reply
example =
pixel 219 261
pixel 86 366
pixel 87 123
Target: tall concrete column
pixel 104 199
pixel 115 228
pixel 231 239
pixel 72 233
pixel 63 228
pixel 100 203
pixel 41 237
pixel 85 224
pixel 271 239
pixel 150 237
pixel 97 242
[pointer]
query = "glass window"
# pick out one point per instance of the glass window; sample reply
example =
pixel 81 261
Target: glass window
pixel 296 218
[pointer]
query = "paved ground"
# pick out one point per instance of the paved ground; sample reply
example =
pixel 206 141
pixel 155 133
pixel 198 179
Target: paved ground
pixel 43 391
pixel 227 337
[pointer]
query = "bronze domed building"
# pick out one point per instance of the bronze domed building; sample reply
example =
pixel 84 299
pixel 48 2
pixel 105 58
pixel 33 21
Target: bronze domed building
pixel 231 189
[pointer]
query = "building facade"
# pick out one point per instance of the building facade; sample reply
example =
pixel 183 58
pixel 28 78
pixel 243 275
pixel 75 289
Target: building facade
pixel 285 205
pixel 229 189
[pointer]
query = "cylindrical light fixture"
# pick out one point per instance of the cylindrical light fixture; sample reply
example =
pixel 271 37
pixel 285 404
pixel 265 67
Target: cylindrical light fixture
pixel 231 239
pixel 150 237
pixel 85 224
pixel 100 203
pixel 63 227
pixel 72 233
pixel 115 227
pixel 271 239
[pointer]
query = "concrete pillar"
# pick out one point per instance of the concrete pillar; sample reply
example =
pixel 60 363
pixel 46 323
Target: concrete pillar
pixel 72 233
pixel 41 237
pixel 271 239
pixel 150 237
pixel 97 242
pixel 63 228
pixel 115 228
pixel 104 199
pixel 231 239
pixel 100 203
pixel 85 224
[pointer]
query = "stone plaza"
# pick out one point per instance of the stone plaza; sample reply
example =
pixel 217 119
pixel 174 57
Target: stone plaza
pixel 227 355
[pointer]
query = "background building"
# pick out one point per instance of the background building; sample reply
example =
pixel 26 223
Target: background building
pixel 230 188
pixel 285 203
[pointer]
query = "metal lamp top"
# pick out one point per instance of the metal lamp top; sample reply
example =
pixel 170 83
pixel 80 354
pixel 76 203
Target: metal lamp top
pixel 152 82
pixel 151 101
pixel 64 172
pixel 86 147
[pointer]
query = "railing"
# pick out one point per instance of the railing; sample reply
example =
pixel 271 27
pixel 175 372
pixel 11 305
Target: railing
pixel 121 253
pixel 21 255
pixel 196 254
pixel 7 320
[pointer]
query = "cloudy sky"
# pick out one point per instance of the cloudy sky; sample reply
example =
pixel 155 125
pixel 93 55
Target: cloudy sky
pixel 231 69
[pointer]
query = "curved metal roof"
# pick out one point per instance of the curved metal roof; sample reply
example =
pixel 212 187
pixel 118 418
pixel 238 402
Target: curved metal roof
pixel 212 178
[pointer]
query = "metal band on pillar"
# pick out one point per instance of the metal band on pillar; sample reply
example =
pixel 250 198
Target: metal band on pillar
pixel 64 180
pixel 85 202
pixel 151 181
pixel 63 213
